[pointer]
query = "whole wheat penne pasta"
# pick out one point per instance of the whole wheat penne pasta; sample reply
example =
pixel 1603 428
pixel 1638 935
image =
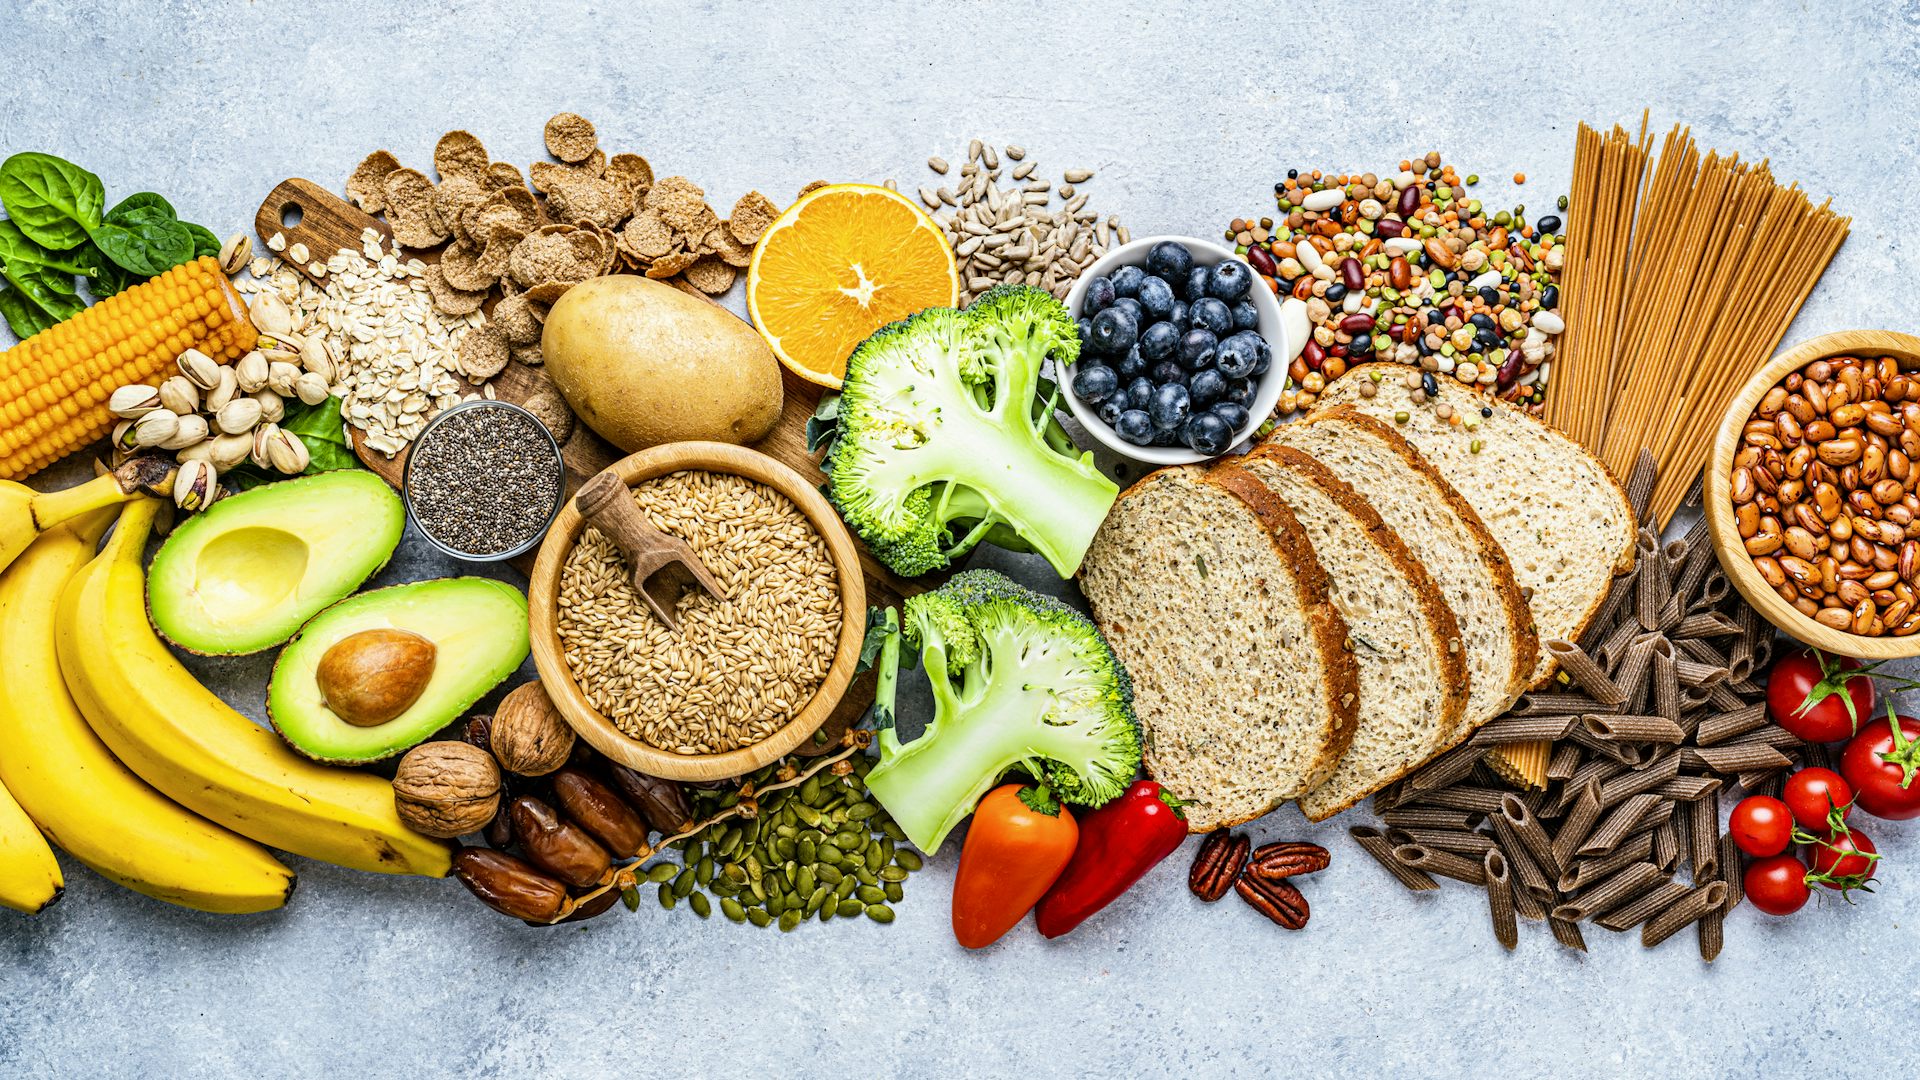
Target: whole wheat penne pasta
pixel 1581 818
pixel 1526 871
pixel 1712 933
pixel 1631 675
pixel 1703 832
pixel 1763 781
pixel 1618 602
pixel 1386 798
pixel 1533 836
pixel 1690 720
pixel 1604 896
pixel 1699 560
pixel 1640 483
pixel 1625 754
pixel 1730 758
pixel 1713 589
pixel 1723 726
pixel 1702 651
pixel 1566 759
pixel 1375 844
pixel 1768 735
pixel 1584 872
pixel 1762 655
pixel 1431 817
pixel 1591 771
pixel 1657 899
pixel 1443 863
pixel 1544 703
pixel 1694 673
pixel 1621 822
pixel 1721 696
pixel 1567 933
pixel 1817 754
pixel 1745 687
pixel 1688 788
pixel 1615 728
pixel 1500 898
pixel 1661 813
pixel 1483 800
pixel 1730 871
pixel 1613 647
pixel 1657 772
pixel 1455 840
pixel 1530 907
pixel 1519 729
pixel 1663 684
pixel 1706 624
pixel 1447 769
pixel 1653 585
pixel 1585 674
pixel 1684 911
pixel 1666 844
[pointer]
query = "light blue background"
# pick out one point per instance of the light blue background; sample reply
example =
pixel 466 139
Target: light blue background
pixel 1189 113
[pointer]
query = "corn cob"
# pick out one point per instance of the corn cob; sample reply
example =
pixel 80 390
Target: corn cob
pixel 54 385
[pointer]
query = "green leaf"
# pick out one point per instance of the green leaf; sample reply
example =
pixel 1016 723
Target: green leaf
pixel 204 242
pixel 23 317
pixel 878 630
pixel 17 249
pixel 49 289
pixel 143 200
pixel 145 240
pixel 324 432
pixel 824 421
pixel 54 202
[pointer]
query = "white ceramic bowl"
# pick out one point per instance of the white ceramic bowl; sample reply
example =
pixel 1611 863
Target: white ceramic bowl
pixel 1265 396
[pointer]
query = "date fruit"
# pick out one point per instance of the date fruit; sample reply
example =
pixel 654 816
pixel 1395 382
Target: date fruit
pixel 1279 900
pixel 660 801
pixel 1223 854
pixel 600 811
pixel 557 845
pixel 510 885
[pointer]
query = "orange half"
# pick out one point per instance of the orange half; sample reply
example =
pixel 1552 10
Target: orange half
pixel 839 264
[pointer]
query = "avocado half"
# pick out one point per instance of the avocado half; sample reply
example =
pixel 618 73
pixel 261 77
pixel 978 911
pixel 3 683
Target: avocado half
pixel 479 632
pixel 243 576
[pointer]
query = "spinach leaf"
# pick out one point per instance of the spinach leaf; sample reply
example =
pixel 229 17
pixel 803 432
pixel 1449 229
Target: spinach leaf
pixel 145 240
pixel 204 242
pixel 55 202
pixel 40 296
pixel 17 250
pixel 23 317
pixel 328 447
pixel 146 200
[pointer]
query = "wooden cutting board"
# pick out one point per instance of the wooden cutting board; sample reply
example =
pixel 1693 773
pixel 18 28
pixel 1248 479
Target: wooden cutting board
pixel 305 213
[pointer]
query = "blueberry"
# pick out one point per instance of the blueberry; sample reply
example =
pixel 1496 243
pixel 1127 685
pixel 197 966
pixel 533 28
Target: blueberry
pixel 1085 326
pixel 1246 316
pixel 1234 416
pixel 1156 298
pixel 1135 426
pixel 1127 279
pixel 1132 307
pixel 1099 297
pixel 1111 409
pixel 1169 371
pixel 1171 404
pixel 1166 438
pixel 1229 280
pixel 1197 348
pixel 1196 283
pixel 1114 330
pixel 1208 313
pixel 1262 361
pixel 1159 341
pixel 1178 316
pixel 1236 357
pixel 1207 434
pixel 1139 392
pixel 1207 385
pixel 1170 259
pixel 1239 392
pixel 1131 365
pixel 1254 345
pixel 1095 383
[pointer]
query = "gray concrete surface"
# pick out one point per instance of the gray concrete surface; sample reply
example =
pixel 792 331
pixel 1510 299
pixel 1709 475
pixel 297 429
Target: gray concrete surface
pixel 1189 114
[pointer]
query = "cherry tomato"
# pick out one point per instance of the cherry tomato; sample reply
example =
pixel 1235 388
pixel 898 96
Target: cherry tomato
pixel 1761 825
pixel 1813 795
pixel 1818 697
pixel 1844 861
pixel 1883 765
pixel 1777 885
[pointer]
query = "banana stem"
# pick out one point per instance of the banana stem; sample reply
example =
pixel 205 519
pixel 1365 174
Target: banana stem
pixel 54 507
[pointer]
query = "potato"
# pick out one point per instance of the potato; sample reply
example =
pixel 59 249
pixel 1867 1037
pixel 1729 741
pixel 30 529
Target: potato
pixel 643 364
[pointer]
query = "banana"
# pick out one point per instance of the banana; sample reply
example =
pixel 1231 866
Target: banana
pixel 182 739
pixel 88 803
pixel 26 513
pixel 29 875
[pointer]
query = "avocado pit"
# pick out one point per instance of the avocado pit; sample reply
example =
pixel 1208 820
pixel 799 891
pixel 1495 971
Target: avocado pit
pixel 372 676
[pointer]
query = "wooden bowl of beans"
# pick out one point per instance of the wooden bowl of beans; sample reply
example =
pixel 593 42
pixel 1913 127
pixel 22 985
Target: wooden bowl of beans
pixel 746 677
pixel 1813 493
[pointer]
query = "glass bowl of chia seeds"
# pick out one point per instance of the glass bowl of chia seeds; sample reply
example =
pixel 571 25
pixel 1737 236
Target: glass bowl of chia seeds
pixel 483 481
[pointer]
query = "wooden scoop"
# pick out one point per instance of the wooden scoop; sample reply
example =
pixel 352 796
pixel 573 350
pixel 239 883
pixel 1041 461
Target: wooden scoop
pixel 663 566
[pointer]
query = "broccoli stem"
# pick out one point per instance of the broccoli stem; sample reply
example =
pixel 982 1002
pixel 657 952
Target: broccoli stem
pixel 886 683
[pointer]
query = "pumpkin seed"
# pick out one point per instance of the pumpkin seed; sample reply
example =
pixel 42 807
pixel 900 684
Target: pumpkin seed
pixel 759 916
pixel 734 873
pixel 760 891
pixel 886 849
pixel 861 811
pixel 848 842
pixel 818 898
pixel 829 874
pixel 807 814
pixel 703 871
pixel 755 867
pixel 892 873
pixel 807 851
pixel 866 876
pixel 810 790
pixel 732 909
pixel 776 902
pixel 850 908
pixel 827 912
pixel 662 872
pixel 894 831
pixel 874 861
pixel 831 856
pixel 666 897
pixel 722 887
pixel 909 859
pixel 880 913
pixel 701 905
pixel 789 920
pixel 683 883
pixel 803 879
pixel 870 893
pixel 785 848
pixel 893 891
pixel 814 835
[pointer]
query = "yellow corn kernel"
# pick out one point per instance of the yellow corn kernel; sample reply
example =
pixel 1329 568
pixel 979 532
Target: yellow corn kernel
pixel 55 384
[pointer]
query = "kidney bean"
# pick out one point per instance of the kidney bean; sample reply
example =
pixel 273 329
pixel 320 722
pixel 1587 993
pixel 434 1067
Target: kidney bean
pixel 1399 274
pixel 1261 261
pixel 1358 323
pixel 1409 200
pixel 509 885
pixel 1314 355
pixel 1510 368
pixel 557 845
pixel 1352 274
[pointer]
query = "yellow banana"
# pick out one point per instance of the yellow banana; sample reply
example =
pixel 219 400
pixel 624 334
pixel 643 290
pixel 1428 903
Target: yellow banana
pixel 26 513
pixel 179 737
pixel 88 803
pixel 29 875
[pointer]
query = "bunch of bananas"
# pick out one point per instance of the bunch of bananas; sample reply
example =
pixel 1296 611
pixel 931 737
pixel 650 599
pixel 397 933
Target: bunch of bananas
pixel 115 753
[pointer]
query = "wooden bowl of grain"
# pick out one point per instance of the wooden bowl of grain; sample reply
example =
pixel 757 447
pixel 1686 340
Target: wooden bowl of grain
pixel 739 735
pixel 1718 497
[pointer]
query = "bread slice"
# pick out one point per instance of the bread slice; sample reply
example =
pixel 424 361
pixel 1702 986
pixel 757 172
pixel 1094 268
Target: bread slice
pixel 1209 592
pixel 1404 639
pixel 1562 518
pixel 1447 537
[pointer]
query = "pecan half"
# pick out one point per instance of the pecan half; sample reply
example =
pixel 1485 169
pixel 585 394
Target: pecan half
pixel 1222 856
pixel 1279 901
pixel 1286 859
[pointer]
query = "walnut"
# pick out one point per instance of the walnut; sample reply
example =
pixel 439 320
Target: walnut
pixel 529 736
pixel 446 789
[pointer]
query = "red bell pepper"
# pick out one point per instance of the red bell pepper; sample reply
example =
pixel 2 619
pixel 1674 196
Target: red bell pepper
pixel 1020 840
pixel 1119 843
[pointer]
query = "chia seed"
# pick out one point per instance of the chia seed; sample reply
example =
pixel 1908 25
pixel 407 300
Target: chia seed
pixel 484 481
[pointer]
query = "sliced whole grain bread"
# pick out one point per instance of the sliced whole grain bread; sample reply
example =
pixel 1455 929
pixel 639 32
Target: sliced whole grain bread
pixel 1562 518
pixel 1444 534
pixel 1209 592
pixel 1404 639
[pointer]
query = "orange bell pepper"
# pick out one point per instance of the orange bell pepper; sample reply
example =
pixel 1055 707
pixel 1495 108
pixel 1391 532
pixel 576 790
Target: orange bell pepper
pixel 1020 840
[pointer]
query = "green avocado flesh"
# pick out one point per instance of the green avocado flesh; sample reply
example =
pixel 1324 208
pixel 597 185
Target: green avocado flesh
pixel 245 574
pixel 479 632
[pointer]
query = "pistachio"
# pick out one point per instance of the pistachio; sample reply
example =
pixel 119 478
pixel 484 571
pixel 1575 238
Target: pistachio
pixel 225 387
pixel 258 453
pixel 235 253
pixel 270 314
pixel 200 368
pixel 286 453
pixel 281 377
pixel 251 371
pixel 310 388
pixel 134 402
pixel 200 451
pixel 313 355
pixel 226 451
pixel 155 427
pixel 178 394
pixel 273 407
pixel 191 429
pixel 195 486
pixel 238 415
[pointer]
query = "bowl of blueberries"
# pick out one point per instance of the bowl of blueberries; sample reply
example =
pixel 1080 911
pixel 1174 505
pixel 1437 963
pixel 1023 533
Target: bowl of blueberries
pixel 1178 342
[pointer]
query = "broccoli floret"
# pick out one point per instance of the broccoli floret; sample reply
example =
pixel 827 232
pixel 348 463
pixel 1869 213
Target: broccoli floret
pixel 1018 680
pixel 946 436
